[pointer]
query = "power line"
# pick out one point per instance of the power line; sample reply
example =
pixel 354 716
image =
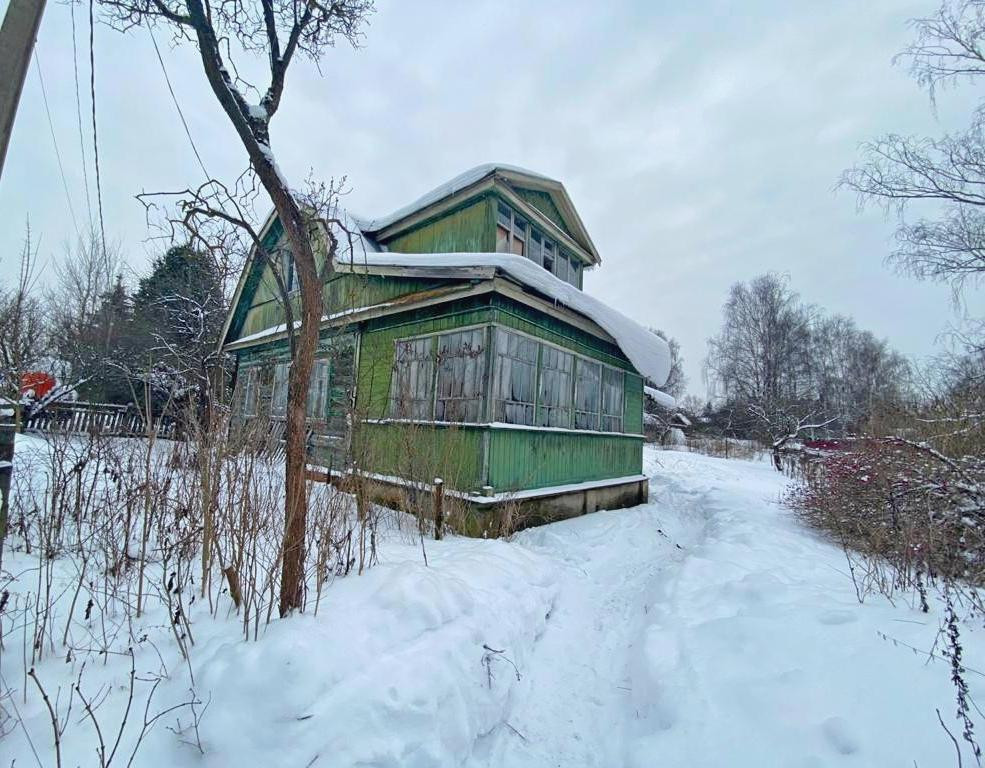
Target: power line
pixel 54 141
pixel 78 112
pixel 176 105
pixel 95 140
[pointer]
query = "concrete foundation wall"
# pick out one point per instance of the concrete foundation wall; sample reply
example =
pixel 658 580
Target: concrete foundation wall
pixel 483 518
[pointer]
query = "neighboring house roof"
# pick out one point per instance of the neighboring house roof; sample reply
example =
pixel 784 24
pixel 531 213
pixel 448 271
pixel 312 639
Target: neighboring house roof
pixel 648 353
pixel 510 173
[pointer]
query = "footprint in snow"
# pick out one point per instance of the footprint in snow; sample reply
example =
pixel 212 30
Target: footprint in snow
pixel 832 618
pixel 839 735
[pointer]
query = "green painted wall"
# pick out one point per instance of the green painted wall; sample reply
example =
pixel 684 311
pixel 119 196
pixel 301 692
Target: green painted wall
pixel 342 291
pixel 632 412
pixel 521 459
pixel 423 452
pixel 544 203
pixel 469 229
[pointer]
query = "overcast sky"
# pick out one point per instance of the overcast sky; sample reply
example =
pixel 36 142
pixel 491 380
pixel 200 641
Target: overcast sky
pixel 700 142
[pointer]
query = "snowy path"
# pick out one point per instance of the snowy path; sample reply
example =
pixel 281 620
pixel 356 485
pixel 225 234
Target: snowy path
pixel 576 704
pixel 706 628
pixel 709 628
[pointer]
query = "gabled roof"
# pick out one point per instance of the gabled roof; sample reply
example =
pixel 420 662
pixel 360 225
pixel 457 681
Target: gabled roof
pixel 648 353
pixel 473 179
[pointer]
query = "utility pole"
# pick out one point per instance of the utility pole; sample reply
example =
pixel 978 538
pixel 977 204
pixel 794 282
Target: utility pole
pixel 17 35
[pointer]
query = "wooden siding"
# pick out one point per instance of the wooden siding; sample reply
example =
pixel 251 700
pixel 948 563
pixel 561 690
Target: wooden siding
pixel 632 404
pixel 469 229
pixel 422 452
pixel 342 291
pixel 544 203
pixel 520 459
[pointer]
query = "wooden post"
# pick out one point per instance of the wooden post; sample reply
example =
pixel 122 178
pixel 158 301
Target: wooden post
pixel 17 35
pixel 439 507
pixel 7 430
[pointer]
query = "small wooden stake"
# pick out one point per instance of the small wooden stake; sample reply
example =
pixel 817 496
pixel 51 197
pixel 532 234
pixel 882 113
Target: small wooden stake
pixel 439 507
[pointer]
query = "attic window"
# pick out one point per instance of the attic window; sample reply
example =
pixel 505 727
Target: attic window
pixel 516 235
pixel 287 271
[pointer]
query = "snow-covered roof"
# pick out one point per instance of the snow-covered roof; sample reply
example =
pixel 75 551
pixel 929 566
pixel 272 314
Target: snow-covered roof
pixel 648 353
pixel 447 189
pixel 662 398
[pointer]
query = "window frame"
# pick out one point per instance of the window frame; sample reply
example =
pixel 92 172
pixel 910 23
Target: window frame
pixel 326 364
pixel 251 391
pixel 495 376
pixel 487 406
pixel 479 372
pixel 276 411
pixel 535 244
pixel 402 413
pixel 621 389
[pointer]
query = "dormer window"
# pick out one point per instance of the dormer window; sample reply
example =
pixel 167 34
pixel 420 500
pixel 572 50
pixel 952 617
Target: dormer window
pixel 511 232
pixel 547 260
pixel 514 234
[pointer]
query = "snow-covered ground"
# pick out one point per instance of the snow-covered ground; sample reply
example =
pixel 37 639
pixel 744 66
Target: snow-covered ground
pixel 706 628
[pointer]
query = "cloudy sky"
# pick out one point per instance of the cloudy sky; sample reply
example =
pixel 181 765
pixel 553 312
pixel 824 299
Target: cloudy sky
pixel 700 141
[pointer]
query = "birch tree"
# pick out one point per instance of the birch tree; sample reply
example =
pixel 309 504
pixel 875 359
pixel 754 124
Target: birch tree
pixel 278 32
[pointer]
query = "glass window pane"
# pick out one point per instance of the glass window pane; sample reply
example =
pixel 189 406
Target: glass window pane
pixel 555 387
pixel 278 395
pixel 575 272
pixel 317 405
pixel 517 246
pixel 548 256
pixel 503 216
pixel 514 378
pixel 519 227
pixel 612 397
pixel 461 373
pixel 588 377
pixel 502 240
pixel 535 247
pixel 250 381
pixel 411 384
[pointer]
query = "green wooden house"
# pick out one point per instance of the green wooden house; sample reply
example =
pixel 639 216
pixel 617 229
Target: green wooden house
pixel 457 342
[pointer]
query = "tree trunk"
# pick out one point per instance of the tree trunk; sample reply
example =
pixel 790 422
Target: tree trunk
pixel 299 378
pixel 255 138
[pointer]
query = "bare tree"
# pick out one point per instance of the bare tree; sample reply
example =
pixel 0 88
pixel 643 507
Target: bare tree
pixel 761 356
pixel 949 172
pixel 277 31
pixel 21 322
pixel 676 380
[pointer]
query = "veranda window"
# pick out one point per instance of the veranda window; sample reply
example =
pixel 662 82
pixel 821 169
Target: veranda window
pixel 317 405
pixel 278 395
pixel 514 388
pixel 251 378
pixel 411 386
pixel 588 377
pixel 612 394
pixel 461 371
pixel 555 387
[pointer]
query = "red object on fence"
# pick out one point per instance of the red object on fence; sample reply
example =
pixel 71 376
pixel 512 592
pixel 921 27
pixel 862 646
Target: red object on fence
pixel 38 382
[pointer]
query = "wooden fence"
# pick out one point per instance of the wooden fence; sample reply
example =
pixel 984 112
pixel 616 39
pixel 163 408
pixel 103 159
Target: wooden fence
pixel 81 417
